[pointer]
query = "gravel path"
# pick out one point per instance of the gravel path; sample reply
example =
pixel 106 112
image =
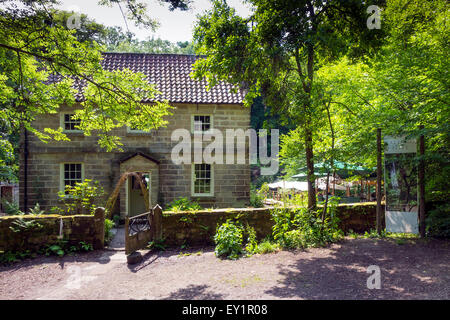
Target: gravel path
pixel 414 270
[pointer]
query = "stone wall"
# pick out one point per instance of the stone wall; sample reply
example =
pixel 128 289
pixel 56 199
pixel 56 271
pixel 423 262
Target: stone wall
pixel 232 182
pixel 199 228
pixel 89 229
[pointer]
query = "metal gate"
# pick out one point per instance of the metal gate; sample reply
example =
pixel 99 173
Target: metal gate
pixel 143 228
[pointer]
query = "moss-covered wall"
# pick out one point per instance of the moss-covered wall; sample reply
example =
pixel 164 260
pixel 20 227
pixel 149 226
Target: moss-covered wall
pixel 196 228
pixel 359 217
pixel 199 227
pixel 46 231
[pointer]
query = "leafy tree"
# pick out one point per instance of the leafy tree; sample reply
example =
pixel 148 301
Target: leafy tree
pixel 277 52
pixel 9 142
pixel 35 48
pixel 152 45
pixel 137 10
pixel 402 87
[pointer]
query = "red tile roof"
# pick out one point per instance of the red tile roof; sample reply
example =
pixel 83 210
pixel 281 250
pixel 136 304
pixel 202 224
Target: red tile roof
pixel 170 74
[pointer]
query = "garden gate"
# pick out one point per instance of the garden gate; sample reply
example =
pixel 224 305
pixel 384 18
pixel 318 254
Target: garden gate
pixel 143 228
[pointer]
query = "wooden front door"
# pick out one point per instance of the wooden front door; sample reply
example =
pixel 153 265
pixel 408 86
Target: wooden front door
pixel 136 202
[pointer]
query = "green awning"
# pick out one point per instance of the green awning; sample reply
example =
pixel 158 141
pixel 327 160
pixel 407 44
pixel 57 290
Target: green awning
pixel 343 170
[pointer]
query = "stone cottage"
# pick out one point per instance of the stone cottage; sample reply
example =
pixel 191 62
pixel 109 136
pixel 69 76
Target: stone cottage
pixel 46 168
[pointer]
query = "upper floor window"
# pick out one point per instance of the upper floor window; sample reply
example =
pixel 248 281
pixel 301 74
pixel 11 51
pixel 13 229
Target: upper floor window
pixel 68 123
pixel 202 123
pixel 135 130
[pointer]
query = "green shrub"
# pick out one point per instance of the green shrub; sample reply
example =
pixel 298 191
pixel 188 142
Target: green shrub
pixel 183 204
pixel 11 208
pixel 267 247
pixel 352 234
pixel 438 221
pixel 228 239
pixel 301 228
pixel 158 245
pixel 24 227
pixel 36 211
pixel 258 197
pixel 11 257
pixel 373 234
pixel 82 198
pixel 252 245
pixel 62 247
pixel 256 200
pixel 109 224
pixel 56 249
pixel 116 220
pixel 294 239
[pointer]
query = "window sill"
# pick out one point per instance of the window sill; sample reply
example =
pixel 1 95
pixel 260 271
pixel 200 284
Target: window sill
pixel 74 133
pixel 205 133
pixel 203 196
pixel 139 133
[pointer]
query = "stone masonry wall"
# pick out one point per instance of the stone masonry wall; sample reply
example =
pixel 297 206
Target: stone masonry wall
pixel 199 228
pixel 89 229
pixel 232 182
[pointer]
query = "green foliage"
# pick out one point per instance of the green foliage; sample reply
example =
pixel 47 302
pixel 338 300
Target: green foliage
pixel 82 198
pixel 373 234
pixel 252 245
pixel 293 229
pixel 302 228
pixel 158 245
pixel 228 239
pixel 21 225
pixel 352 234
pixel 109 224
pixel 290 198
pixel 8 153
pixel 11 257
pixel 152 45
pixel 86 246
pixel 62 247
pixel 55 249
pixel 438 221
pixel 277 53
pixel 400 88
pixel 116 220
pixel 11 208
pixel 35 44
pixel 267 246
pixel 257 197
pixel 183 204
pixel 36 210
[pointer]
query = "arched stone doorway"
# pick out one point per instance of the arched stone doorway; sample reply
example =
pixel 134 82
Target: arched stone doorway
pixel 132 201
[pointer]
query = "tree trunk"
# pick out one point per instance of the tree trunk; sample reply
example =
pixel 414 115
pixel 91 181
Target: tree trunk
pixel 379 173
pixel 310 166
pixel 421 182
pixel 324 212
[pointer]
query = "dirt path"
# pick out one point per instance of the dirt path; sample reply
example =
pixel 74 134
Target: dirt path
pixel 414 270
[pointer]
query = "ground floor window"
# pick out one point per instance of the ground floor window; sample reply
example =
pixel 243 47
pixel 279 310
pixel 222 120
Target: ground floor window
pixel 202 179
pixel 71 173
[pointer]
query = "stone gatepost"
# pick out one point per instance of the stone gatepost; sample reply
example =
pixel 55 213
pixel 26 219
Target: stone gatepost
pixel 99 227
